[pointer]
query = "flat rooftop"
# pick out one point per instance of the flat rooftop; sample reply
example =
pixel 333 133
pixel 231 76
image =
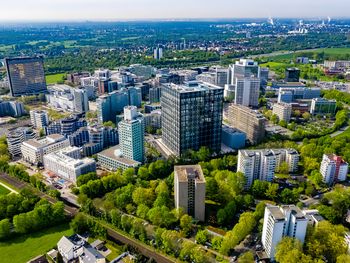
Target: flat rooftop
pixel 50 139
pixel 276 212
pixel 183 172
pixel 194 86
pixel 115 154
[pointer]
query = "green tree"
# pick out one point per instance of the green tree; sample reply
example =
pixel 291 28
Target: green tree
pixel 283 168
pixel 247 257
pixel 186 224
pixel 5 228
pixel 202 236
pixel 289 250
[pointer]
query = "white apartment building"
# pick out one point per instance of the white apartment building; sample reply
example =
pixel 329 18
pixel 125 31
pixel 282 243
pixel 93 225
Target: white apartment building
pixel 262 164
pixel 333 169
pixel 279 222
pixel 39 118
pixel 189 190
pixel 16 137
pixel 33 150
pixel 63 165
pixel 283 111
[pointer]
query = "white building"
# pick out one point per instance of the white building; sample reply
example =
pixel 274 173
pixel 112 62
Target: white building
pixel 262 164
pixel 64 165
pixel 280 222
pixel 283 111
pixel 247 91
pixel 333 169
pixel 39 118
pixel 33 150
pixel 189 190
pixel 16 137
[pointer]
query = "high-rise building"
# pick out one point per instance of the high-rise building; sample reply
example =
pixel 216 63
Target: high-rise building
pixel 158 53
pixel 26 75
pixel 135 96
pixel 12 108
pixel 247 91
pixel 66 126
pixel 81 100
pixel 16 137
pixel 248 121
pixel 264 76
pixel 333 169
pixel 244 68
pixel 279 222
pixel 292 75
pixel 323 106
pixel 155 94
pixel 132 135
pixel 189 190
pixel 108 106
pixel 192 116
pixel 39 118
pixel 262 164
pixel 283 111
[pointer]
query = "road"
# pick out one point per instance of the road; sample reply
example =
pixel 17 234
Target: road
pixel 334 134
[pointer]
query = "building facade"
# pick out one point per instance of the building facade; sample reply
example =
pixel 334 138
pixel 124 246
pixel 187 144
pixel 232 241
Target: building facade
pixel 189 190
pixel 247 92
pixel 323 106
pixel 39 118
pixel 16 137
pixel 192 116
pixel 333 169
pixel 283 111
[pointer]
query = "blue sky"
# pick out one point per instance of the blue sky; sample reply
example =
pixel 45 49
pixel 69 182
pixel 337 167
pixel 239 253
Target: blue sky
pixel 15 10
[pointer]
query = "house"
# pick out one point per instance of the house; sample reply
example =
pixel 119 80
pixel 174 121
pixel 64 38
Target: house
pixel 91 255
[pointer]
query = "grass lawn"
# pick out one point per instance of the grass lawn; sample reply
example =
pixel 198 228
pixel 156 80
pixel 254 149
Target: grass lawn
pixel 115 250
pixel 23 248
pixel 53 79
pixel 3 190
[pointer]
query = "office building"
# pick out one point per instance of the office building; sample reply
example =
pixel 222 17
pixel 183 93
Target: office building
pixel 153 119
pixel 26 75
pixel 233 138
pixel 189 190
pixel 249 121
pixel 39 118
pixel 264 76
pixel 64 165
pixel 12 108
pixel 135 96
pixel 333 169
pixel 292 75
pixel 113 159
pixel 229 92
pixel 81 100
pixel 321 106
pixel 262 164
pixel 289 95
pixel 244 68
pixel 247 92
pixel 132 135
pixel 75 77
pixel 216 76
pixel 108 106
pixel 16 137
pixel 279 222
pixel 33 150
pixel 66 126
pixel 192 116
pixel 283 111
pixel 158 53
pixel 154 94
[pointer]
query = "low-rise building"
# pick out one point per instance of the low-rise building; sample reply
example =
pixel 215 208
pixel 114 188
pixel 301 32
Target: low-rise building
pixel 66 164
pixel 233 138
pixel 33 150
pixel 12 108
pixel 323 106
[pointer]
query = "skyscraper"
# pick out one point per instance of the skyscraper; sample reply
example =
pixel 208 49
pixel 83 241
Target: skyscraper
pixel 244 68
pixel 292 75
pixel 39 118
pixel 192 116
pixel 158 53
pixel 189 190
pixel 26 75
pixel 132 135
pixel 81 100
pixel 247 91
pixel 280 222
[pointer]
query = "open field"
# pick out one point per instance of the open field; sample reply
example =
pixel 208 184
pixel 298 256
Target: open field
pixel 3 190
pixel 53 79
pixel 23 248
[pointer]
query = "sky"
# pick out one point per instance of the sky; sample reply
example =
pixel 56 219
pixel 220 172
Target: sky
pixel 106 10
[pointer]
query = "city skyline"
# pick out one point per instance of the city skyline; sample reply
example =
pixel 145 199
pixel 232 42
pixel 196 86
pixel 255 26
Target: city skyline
pixel 64 10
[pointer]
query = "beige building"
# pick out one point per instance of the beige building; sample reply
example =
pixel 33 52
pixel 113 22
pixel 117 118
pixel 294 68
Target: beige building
pixel 189 190
pixel 33 150
pixel 249 121
pixel 283 111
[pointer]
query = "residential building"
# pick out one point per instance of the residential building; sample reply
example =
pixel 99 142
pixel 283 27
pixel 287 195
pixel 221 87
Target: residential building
pixel 233 138
pixel 39 118
pixel 158 53
pixel 333 169
pixel 279 222
pixel 33 150
pixel 247 91
pixel 283 111
pixel 192 116
pixel 323 106
pixel 132 135
pixel 12 109
pixel 16 137
pixel 26 75
pixel 62 164
pixel 189 190
pixel 292 75
pixel 249 121
pixel 262 164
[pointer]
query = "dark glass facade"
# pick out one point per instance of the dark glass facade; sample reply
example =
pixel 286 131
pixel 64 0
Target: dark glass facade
pixel 192 117
pixel 26 76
